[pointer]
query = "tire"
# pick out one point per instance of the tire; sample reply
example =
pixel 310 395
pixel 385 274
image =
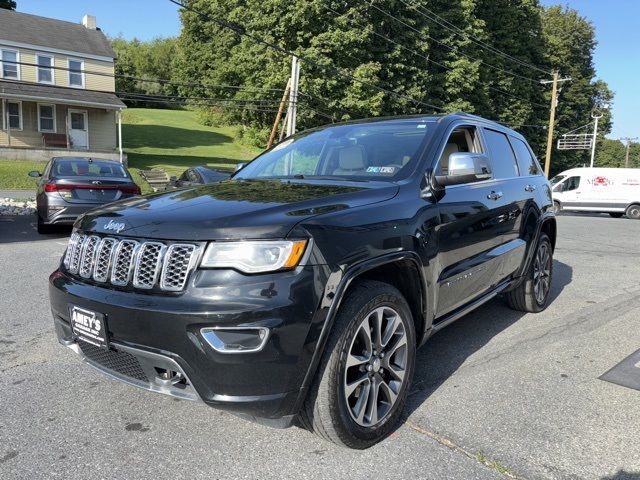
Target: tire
pixel 44 228
pixel 339 407
pixel 616 214
pixel 557 208
pixel 527 297
pixel 633 211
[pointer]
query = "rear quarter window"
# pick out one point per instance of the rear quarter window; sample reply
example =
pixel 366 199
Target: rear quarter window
pixel 526 161
pixel 503 159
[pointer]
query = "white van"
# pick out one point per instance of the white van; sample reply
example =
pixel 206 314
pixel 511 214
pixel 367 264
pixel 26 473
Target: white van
pixel 615 191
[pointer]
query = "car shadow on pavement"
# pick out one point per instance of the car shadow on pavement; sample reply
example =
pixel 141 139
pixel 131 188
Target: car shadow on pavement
pixel 22 228
pixel 623 475
pixel 447 350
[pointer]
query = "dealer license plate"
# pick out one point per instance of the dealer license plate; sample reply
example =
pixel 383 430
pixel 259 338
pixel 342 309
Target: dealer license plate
pixel 89 327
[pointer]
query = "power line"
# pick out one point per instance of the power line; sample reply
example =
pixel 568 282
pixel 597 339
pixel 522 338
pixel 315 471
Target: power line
pixel 241 31
pixel 209 100
pixel 427 59
pixel 453 48
pixel 458 31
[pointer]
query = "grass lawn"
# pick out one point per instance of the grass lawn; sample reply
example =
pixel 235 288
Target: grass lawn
pixel 13 174
pixel 153 138
pixel 173 140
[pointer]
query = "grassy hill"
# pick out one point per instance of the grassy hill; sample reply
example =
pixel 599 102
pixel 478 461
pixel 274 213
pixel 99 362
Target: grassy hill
pixel 173 140
pixel 168 139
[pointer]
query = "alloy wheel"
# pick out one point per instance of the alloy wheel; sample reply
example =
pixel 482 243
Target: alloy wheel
pixel 542 273
pixel 376 365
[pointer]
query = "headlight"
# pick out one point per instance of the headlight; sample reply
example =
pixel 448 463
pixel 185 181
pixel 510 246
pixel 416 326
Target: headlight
pixel 254 256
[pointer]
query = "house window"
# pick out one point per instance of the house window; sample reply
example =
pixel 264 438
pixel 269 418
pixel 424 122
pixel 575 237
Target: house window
pixel 46 117
pixel 10 67
pixel 13 116
pixel 45 70
pixel 76 73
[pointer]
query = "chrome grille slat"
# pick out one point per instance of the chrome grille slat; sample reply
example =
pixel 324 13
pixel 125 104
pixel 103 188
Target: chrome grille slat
pixel 125 262
pixel 103 259
pixel 89 249
pixel 73 241
pixel 178 262
pixel 148 264
pixel 74 261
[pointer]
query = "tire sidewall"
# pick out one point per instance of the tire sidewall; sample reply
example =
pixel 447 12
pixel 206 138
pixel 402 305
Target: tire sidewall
pixel 633 212
pixel 535 306
pixel 367 436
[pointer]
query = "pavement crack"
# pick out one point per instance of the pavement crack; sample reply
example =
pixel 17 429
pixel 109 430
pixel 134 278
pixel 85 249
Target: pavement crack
pixel 478 456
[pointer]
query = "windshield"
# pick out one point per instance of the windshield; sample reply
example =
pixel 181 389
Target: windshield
pixel 557 178
pixel 370 151
pixel 85 168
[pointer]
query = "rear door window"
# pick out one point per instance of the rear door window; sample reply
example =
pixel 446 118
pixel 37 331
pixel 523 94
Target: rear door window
pixel 526 161
pixel 503 159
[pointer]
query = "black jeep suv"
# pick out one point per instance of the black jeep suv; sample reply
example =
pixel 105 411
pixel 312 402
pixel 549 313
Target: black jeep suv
pixel 299 289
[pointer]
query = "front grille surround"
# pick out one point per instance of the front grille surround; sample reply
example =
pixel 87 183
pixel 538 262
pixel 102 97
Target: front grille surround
pixel 123 262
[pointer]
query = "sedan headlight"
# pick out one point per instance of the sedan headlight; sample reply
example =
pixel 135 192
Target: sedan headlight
pixel 254 256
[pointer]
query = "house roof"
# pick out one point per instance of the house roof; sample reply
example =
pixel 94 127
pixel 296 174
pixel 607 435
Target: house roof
pixel 68 96
pixel 50 33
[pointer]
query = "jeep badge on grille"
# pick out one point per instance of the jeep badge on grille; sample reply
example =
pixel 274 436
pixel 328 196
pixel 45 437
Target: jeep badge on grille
pixel 115 226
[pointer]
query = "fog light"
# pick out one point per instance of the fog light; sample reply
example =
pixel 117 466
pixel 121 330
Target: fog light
pixel 236 339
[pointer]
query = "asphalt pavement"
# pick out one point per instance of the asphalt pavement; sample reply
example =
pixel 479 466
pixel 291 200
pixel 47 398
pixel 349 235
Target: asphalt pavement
pixel 497 394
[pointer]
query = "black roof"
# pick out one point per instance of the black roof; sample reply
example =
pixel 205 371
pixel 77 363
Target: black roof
pixel 48 32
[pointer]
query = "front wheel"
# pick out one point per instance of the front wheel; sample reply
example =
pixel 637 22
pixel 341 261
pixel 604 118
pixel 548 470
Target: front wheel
pixel 633 211
pixel 363 380
pixel 532 295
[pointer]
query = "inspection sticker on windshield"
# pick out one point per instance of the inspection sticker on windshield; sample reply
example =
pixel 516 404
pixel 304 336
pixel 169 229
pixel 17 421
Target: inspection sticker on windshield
pixel 388 170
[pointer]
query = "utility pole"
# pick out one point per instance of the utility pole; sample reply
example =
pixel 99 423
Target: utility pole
pixel 274 130
pixel 629 140
pixel 595 117
pixel 552 116
pixel 292 112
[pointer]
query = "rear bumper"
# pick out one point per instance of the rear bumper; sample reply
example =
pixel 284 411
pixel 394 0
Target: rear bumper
pixel 163 330
pixel 66 215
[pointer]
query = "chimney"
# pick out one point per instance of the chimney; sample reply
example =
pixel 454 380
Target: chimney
pixel 89 22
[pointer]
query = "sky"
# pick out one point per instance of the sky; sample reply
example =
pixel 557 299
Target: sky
pixel 617 56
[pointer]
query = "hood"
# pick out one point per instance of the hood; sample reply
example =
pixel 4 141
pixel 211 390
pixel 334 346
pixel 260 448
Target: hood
pixel 231 209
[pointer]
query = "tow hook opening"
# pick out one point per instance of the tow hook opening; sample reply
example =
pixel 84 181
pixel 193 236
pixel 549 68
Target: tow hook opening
pixel 170 378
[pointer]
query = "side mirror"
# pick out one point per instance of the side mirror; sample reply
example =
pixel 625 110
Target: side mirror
pixel 34 174
pixel 465 167
pixel 240 166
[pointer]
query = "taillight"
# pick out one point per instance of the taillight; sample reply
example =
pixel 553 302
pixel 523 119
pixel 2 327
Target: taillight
pixel 54 187
pixel 134 190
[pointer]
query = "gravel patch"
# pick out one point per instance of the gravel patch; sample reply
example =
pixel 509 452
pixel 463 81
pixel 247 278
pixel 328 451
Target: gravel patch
pixel 11 206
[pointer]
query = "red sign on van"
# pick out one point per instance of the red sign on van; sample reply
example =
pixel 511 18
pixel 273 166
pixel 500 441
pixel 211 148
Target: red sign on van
pixel 601 181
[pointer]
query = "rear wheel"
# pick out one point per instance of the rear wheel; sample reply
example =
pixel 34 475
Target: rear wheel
pixel 615 214
pixel 633 211
pixel 532 295
pixel 44 228
pixel 362 383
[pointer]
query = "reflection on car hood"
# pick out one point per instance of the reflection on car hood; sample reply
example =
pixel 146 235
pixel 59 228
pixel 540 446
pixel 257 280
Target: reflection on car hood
pixel 232 209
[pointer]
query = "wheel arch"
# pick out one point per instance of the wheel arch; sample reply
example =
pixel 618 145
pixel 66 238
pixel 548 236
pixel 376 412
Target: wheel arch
pixel 374 268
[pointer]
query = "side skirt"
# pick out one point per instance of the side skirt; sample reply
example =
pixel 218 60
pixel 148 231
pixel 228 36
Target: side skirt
pixel 448 319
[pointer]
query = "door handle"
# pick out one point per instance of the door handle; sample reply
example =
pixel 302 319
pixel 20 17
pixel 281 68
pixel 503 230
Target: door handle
pixel 494 195
pixel 530 188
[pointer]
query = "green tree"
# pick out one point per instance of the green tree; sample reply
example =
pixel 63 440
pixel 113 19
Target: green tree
pixel 8 4
pixel 570 42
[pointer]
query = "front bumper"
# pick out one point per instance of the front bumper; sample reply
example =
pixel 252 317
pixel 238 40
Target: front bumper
pixel 166 328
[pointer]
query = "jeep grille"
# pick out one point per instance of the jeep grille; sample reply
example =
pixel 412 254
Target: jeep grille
pixel 123 262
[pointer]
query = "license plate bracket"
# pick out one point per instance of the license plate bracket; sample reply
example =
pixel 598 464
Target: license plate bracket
pixel 89 326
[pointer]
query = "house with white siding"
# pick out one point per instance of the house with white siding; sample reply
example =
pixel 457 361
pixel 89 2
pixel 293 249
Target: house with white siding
pixel 57 89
